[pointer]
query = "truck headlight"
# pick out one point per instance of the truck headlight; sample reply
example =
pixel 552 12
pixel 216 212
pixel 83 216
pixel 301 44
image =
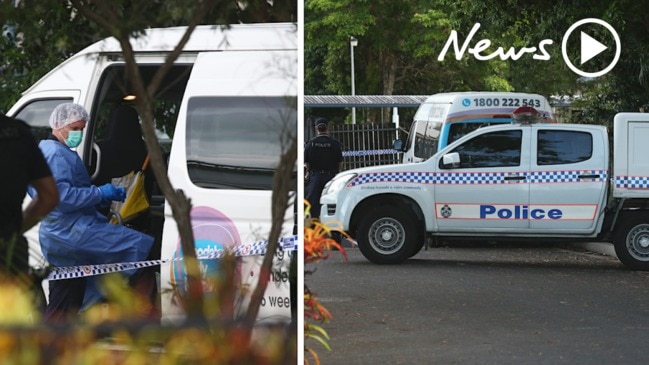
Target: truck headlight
pixel 337 183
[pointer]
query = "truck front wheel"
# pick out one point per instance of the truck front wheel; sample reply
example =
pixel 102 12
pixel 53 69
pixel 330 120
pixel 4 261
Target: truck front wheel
pixel 388 235
pixel 631 241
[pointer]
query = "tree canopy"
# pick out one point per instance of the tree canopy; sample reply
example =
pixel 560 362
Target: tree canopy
pixel 40 34
pixel 399 42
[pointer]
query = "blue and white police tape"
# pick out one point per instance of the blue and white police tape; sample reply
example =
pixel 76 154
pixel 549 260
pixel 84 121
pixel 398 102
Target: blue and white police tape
pixel 288 243
pixel 369 152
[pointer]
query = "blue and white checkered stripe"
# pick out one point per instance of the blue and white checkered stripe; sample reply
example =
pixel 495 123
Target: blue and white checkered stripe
pixel 258 248
pixel 443 178
pixel 471 178
pixel 369 152
pixel 566 176
pixel 401 177
pixel 71 272
pixel 289 243
pixel 632 182
pixel 479 178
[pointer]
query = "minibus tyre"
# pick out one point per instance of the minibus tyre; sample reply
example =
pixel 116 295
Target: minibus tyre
pixel 388 235
pixel 631 240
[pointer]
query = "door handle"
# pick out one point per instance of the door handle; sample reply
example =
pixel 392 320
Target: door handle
pixel 592 176
pixel 515 177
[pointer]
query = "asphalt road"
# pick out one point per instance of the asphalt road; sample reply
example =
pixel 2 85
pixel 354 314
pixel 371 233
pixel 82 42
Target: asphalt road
pixel 484 304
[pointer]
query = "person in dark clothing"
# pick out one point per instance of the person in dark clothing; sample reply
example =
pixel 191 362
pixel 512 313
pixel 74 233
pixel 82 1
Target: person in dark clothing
pixel 323 158
pixel 22 164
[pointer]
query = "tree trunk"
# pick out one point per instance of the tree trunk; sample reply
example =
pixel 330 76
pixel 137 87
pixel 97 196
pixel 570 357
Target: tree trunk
pixel 389 71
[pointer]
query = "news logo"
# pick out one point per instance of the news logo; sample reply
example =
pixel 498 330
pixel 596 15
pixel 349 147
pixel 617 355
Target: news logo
pixel 590 47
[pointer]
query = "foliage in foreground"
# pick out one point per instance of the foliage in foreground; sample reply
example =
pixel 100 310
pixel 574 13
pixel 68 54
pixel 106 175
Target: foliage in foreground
pixel 318 244
pixel 115 333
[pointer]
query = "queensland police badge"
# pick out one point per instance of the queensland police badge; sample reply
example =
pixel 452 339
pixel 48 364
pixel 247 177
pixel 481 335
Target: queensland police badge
pixel 446 211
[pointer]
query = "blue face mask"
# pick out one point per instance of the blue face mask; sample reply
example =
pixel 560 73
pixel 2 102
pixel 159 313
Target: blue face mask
pixel 74 138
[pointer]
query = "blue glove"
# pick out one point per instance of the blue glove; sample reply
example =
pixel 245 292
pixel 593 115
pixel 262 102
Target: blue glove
pixel 112 192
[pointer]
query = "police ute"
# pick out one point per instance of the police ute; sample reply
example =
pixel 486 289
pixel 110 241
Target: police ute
pixel 523 181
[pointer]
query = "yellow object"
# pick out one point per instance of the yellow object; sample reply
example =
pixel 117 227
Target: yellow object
pixel 136 199
pixel 17 305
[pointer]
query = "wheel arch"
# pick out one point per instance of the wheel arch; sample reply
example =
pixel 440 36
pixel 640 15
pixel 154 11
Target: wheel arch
pixel 625 208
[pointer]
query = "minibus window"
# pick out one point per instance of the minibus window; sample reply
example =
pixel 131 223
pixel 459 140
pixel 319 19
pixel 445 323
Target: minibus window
pixel 236 142
pixel 37 115
pixel 422 148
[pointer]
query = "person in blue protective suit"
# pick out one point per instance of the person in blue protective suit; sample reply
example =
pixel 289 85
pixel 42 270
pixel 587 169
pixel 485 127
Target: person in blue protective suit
pixel 75 233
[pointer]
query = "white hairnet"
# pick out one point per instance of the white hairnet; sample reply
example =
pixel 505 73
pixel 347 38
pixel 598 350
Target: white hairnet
pixel 67 113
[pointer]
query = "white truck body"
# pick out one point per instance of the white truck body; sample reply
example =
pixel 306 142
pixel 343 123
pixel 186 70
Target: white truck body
pixel 512 181
pixel 631 156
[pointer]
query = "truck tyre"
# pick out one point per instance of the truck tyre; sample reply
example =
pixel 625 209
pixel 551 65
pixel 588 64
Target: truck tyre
pixel 417 247
pixel 388 235
pixel 419 243
pixel 631 241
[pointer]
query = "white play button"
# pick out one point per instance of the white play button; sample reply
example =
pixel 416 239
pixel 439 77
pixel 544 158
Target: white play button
pixel 590 47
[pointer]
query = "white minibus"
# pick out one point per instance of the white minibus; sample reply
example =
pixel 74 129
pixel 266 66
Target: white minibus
pixel 223 115
pixel 445 117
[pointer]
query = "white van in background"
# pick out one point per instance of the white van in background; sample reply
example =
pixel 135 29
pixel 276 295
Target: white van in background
pixel 445 117
pixel 223 114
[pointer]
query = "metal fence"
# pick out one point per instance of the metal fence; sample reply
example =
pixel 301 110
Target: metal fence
pixel 367 144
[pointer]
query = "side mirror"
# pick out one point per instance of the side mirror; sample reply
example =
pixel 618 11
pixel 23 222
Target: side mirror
pixel 451 159
pixel 398 145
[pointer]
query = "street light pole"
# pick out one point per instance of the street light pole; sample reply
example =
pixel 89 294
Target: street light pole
pixel 353 42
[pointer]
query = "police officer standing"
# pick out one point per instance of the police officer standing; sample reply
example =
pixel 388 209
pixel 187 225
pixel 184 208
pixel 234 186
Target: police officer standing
pixel 323 158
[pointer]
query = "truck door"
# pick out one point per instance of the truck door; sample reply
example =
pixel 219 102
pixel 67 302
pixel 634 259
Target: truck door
pixel 568 180
pixel 488 191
